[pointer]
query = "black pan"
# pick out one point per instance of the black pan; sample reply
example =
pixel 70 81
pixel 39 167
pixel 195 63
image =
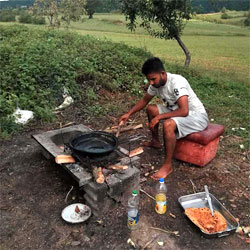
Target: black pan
pixel 96 143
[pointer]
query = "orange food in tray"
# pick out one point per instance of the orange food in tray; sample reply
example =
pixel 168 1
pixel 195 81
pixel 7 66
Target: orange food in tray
pixel 202 218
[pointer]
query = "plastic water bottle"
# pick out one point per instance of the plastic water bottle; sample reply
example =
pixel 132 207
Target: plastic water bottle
pixel 160 197
pixel 133 213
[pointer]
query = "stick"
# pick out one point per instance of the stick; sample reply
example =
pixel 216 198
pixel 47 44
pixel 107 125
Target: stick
pixel 119 129
pixel 194 187
pixel 124 129
pixel 67 124
pixel 147 194
pixel 176 233
pixel 68 194
pixel 148 243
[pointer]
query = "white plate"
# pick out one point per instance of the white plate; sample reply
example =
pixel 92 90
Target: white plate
pixel 69 214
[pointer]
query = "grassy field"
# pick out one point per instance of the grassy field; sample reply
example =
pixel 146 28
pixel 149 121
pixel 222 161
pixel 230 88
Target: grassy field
pixel 217 50
pixel 234 17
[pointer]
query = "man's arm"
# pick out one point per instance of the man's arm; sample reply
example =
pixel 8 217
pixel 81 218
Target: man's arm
pixel 137 107
pixel 182 111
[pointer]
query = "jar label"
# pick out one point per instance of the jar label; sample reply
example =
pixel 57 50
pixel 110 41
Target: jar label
pixel 161 204
pixel 133 219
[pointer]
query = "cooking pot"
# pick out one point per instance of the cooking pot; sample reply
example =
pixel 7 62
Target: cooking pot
pixel 94 143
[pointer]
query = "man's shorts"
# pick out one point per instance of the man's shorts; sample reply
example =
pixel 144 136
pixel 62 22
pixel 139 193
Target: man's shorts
pixel 194 122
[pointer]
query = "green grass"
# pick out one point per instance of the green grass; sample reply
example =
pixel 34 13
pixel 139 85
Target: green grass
pixel 220 50
pixel 235 17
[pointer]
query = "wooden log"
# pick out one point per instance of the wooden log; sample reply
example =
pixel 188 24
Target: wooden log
pixel 135 152
pixel 98 175
pixel 64 159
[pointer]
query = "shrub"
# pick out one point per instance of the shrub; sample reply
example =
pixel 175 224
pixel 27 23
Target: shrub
pixel 7 15
pixel 38 20
pixel 225 16
pixel 247 20
pixel 25 17
pixel 36 65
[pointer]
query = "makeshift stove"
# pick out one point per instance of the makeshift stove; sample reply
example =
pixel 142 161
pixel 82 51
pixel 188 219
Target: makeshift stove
pixel 118 184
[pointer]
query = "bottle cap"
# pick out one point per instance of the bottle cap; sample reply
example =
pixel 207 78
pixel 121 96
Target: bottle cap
pixel 161 180
pixel 134 192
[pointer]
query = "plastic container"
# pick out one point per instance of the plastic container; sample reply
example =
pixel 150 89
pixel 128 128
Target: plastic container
pixel 161 197
pixel 133 213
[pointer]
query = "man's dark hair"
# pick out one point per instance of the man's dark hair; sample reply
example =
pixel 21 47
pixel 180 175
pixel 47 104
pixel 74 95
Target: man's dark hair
pixel 152 65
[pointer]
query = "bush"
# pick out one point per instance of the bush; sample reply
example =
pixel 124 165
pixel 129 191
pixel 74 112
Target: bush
pixel 225 16
pixel 25 17
pixel 36 65
pixel 247 20
pixel 7 15
pixel 38 20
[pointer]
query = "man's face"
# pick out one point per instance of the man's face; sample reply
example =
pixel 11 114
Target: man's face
pixel 157 80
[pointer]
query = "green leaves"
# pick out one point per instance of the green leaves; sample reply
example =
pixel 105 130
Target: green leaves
pixel 36 65
pixel 169 15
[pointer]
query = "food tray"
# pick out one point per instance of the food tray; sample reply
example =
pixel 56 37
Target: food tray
pixel 199 200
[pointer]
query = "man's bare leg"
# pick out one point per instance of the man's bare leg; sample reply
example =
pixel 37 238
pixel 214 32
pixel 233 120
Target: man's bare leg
pixel 152 111
pixel 169 127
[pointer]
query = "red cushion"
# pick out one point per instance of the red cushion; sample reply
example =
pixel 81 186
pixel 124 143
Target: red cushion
pixel 210 133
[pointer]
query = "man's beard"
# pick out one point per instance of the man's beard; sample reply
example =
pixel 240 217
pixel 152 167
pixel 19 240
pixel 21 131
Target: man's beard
pixel 160 84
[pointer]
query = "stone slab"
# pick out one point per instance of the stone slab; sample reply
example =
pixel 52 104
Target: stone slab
pixel 48 139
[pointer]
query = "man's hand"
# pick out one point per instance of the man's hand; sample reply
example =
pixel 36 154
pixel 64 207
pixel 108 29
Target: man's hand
pixel 154 122
pixel 123 119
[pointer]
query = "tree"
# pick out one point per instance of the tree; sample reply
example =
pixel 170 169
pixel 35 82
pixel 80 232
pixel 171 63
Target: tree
pixel 91 7
pixel 48 8
pixel 170 15
pixel 72 10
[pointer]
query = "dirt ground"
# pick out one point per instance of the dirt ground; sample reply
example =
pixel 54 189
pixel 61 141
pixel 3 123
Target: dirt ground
pixel 33 192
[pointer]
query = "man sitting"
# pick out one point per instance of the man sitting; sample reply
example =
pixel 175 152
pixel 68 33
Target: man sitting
pixel 182 112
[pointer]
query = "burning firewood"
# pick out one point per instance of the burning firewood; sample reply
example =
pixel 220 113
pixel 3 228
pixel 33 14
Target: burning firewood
pixel 98 175
pixel 135 152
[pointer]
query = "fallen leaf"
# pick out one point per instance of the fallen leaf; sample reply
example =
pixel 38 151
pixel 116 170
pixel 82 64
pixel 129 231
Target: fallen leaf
pixel 160 243
pixel 146 174
pixel 248 240
pixel 233 205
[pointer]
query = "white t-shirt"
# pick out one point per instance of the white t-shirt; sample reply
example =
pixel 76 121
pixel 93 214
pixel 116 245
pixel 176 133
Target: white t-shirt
pixel 175 87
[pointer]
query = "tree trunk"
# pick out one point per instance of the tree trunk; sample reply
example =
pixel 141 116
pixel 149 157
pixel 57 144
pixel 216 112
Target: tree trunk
pixel 185 49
